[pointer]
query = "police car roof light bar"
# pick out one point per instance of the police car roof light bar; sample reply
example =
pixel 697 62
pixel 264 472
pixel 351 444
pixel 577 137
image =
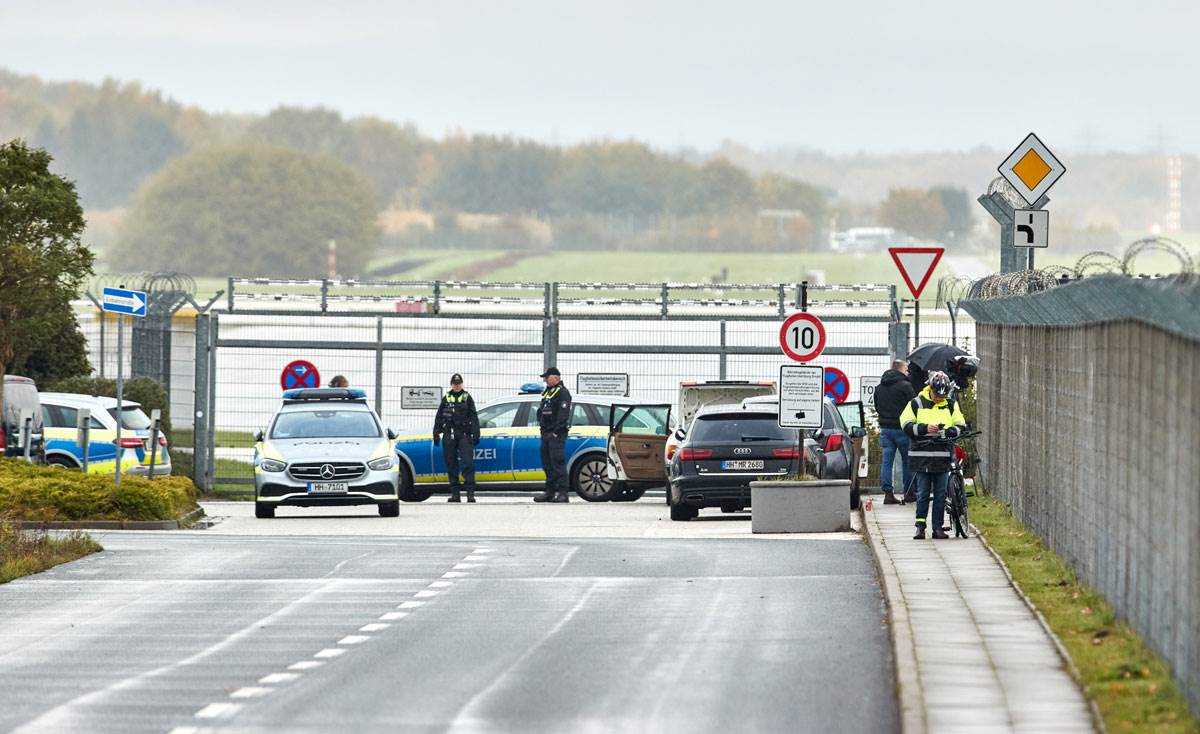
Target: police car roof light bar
pixel 324 394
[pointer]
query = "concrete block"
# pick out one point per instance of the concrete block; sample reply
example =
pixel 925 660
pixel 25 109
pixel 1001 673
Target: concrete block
pixel 816 506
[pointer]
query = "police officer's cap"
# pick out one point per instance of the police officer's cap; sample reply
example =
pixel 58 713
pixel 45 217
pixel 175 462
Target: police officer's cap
pixel 456 379
pixel 551 371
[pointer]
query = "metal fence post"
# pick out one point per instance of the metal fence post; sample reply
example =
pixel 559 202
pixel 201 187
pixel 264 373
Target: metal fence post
pixel 437 296
pixel 379 366
pixel 897 339
pixel 782 298
pixel 549 342
pixel 804 296
pixel 229 300
pixel 723 374
pixel 200 405
pixel 666 295
pixel 211 447
pixel 324 295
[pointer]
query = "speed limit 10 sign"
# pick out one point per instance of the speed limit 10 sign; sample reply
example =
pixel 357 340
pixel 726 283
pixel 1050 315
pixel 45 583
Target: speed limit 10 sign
pixel 802 337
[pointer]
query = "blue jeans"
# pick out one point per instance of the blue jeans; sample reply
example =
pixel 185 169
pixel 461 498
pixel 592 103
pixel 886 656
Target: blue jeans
pixel 938 482
pixel 893 440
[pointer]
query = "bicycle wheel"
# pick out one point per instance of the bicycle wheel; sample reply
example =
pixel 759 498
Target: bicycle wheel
pixel 958 505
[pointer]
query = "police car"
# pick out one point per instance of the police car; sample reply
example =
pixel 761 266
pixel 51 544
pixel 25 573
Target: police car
pixel 325 447
pixel 509 450
pixel 60 415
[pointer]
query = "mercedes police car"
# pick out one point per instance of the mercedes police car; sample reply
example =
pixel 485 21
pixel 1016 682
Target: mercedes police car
pixel 325 447
pixel 509 450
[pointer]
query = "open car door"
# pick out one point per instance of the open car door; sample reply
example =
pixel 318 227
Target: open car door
pixel 637 441
pixel 855 417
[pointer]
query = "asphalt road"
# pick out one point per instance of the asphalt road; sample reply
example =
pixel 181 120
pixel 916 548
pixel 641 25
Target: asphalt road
pixel 196 632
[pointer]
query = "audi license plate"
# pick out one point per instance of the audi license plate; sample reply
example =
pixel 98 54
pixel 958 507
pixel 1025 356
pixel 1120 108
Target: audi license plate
pixel 742 464
pixel 332 487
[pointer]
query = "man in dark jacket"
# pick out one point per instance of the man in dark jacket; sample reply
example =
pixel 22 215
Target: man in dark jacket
pixel 457 420
pixel 554 420
pixel 891 397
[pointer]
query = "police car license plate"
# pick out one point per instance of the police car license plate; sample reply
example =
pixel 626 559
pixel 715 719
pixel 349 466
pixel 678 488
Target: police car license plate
pixel 328 488
pixel 741 465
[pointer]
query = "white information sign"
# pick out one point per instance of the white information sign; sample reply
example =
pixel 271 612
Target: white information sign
pixel 866 390
pixel 1031 228
pixel 614 384
pixel 801 390
pixel 420 398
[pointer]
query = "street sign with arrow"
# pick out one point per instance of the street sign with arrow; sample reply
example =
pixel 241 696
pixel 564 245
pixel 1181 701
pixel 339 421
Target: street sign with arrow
pixel 123 301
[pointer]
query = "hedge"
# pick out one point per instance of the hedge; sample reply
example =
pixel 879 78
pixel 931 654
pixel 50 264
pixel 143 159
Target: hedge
pixel 42 493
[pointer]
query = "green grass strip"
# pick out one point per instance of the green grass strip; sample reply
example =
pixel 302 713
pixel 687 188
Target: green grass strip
pixel 1131 686
pixel 23 553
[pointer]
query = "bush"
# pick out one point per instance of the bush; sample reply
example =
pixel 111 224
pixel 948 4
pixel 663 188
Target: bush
pixel 146 391
pixel 30 492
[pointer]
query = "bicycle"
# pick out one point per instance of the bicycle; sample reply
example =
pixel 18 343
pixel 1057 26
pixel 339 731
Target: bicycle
pixel 956 490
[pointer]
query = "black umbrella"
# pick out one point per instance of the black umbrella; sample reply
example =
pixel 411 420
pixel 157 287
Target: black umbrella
pixel 934 357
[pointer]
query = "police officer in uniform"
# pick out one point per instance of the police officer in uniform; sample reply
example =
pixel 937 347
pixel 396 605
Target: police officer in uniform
pixel 554 420
pixel 457 427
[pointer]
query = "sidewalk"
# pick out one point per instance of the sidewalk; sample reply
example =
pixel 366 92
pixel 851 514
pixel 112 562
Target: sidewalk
pixel 970 656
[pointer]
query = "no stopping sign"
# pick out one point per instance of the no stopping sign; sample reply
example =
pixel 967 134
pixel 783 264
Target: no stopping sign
pixel 802 337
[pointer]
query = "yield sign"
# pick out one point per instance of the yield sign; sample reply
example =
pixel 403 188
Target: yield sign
pixel 916 264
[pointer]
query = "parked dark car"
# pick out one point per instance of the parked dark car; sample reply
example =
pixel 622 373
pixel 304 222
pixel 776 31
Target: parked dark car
pixel 21 395
pixel 729 446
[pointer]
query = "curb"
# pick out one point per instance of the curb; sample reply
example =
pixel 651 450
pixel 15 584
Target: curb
pixel 176 524
pixel 910 696
pixel 1068 663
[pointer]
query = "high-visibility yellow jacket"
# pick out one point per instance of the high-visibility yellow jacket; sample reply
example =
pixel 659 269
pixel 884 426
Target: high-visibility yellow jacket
pixel 930 453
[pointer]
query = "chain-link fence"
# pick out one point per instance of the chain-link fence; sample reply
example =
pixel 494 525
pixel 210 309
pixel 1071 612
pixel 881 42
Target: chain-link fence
pixel 1089 408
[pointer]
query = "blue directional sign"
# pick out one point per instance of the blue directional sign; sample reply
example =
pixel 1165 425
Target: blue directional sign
pixel 119 300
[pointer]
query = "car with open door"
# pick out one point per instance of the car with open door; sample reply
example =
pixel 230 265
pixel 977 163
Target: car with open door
pixel 637 439
pixel 694 396
pixel 728 447
pixel 508 455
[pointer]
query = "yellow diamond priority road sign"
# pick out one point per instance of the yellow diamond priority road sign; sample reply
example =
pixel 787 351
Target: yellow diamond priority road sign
pixel 1032 169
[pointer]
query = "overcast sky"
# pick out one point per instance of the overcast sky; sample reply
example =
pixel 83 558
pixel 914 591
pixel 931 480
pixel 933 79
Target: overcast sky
pixel 840 76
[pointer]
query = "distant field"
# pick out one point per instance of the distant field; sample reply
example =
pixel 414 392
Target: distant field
pixel 655 267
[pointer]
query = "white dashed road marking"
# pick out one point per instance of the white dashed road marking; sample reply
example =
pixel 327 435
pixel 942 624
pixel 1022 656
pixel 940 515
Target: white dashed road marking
pixel 251 692
pixel 305 665
pixel 279 678
pixel 218 710
pixel 225 710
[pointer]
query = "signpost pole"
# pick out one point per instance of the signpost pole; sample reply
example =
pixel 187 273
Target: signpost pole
pixel 917 321
pixel 120 387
